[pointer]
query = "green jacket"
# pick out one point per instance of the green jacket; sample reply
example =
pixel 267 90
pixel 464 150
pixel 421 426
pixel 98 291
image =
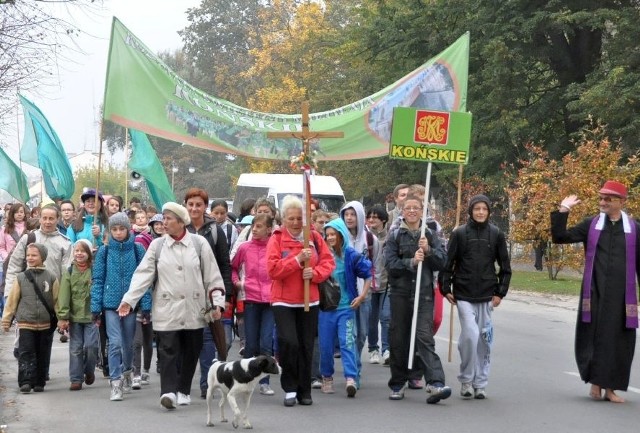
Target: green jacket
pixel 74 300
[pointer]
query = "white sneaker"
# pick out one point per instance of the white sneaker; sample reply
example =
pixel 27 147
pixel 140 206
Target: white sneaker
pixel 265 389
pixel 385 357
pixel 137 383
pixel 126 382
pixel 316 384
pixel 168 400
pixel 374 357
pixel 479 394
pixel 144 379
pixel 466 391
pixel 184 399
pixel 116 390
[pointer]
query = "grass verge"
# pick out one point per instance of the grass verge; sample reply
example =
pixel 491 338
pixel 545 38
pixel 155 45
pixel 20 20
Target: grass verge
pixel 539 282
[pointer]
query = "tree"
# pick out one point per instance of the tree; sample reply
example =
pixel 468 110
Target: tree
pixel 540 184
pixel 33 38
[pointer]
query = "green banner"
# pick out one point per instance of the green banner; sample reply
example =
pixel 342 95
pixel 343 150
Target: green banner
pixel 420 134
pixel 143 93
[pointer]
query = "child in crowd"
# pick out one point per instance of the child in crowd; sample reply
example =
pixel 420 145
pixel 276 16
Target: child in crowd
pixel 341 322
pixel 141 230
pixel 114 266
pixel 155 224
pixel 258 316
pixel 31 301
pixel 219 212
pixel 74 314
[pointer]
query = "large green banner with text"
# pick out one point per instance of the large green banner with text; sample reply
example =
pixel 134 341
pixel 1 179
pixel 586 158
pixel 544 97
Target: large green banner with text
pixel 143 93
pixel 432 136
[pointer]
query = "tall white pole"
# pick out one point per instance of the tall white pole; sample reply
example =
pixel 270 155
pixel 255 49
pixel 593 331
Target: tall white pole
pixel 414 319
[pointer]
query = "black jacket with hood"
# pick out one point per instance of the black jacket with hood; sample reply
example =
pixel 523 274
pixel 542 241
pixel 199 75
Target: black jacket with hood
pixel 472 253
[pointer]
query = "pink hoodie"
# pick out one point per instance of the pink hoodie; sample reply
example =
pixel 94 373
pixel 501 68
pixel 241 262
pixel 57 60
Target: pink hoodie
pixel 257 284
pixel 7 243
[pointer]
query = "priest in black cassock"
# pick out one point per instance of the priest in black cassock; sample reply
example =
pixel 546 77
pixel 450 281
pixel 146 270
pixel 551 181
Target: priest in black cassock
pixel 608 310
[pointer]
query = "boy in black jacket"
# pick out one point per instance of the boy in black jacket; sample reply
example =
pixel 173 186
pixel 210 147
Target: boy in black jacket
pixel 473 250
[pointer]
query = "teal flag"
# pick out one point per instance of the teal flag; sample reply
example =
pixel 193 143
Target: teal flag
pixel 142 92
pixel 12 179
pixel 145 161
pixel 42 148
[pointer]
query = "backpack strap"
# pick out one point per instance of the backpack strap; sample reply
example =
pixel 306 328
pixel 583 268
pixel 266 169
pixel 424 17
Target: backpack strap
pixel 369 244
pixel 15 236
pixel 229 232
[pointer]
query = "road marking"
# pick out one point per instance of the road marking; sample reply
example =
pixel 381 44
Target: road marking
pixel 629 389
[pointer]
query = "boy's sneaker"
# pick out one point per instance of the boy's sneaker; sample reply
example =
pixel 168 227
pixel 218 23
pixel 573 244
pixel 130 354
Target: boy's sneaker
pixel 437 391
pixel 38 388
pixel 137 383
pixel 144 379
pixel 466 391
pixel 168 400
pixel 385 357
pixel 316 384
pixel 184 399
pixel 479 394
pixel 25 389
pixel 265 389
pixel 397 393
pixel 327 385
pixel 374 357
pixel 116 390
pixel 127 382
pixel 351 387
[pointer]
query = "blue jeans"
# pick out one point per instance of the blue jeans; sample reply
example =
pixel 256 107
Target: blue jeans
pixel 83 350
pixel 207 355
pixel 362 319
pixel 120 331
pixel 380 312
pixel 340 323
pixel 258 329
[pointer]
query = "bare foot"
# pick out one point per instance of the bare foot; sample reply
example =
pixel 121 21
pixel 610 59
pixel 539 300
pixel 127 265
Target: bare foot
pixel 611 396
pixel 595 392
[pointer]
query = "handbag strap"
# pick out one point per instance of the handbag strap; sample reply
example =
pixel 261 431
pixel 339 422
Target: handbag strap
pixel 32 280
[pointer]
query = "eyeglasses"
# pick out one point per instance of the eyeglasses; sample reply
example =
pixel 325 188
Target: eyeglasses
pixel 608 199
pixel 412 209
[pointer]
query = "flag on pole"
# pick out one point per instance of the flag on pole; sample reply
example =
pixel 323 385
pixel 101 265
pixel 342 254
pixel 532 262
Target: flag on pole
pixel 142 92
pixel 42 148
pixel 12 179
pixel 145 162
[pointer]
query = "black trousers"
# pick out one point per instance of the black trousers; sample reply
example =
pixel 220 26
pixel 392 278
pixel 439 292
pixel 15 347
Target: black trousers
pixel 178 348
pixel 142 347
pixel 34 355
pixel 296 331
pixel 399 339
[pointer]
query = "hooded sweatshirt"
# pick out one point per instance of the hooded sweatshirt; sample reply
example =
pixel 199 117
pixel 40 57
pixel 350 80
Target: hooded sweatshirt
pixel 358 241
pixel 350 265
pixel 470 269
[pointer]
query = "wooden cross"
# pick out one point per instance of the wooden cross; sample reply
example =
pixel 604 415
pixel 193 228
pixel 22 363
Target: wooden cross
pixel 306 136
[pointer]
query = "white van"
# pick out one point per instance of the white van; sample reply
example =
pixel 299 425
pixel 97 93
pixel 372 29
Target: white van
pixel 276 187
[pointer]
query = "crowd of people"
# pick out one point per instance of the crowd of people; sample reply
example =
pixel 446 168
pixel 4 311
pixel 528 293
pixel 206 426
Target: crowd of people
pixel 191 278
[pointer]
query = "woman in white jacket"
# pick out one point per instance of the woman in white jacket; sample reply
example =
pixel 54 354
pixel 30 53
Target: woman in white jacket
pixel 187 290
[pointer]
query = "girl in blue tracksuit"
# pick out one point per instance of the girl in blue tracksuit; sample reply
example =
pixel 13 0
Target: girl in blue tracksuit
pixel 341 322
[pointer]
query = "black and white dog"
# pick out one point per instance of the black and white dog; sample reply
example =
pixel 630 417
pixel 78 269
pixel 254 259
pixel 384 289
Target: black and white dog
pixel 237 379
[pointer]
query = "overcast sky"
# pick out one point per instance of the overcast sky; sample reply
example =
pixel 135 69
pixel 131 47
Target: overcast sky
pixel 72 106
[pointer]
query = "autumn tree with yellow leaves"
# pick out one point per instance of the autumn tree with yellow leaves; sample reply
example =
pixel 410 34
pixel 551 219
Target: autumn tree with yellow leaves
pixel 540 184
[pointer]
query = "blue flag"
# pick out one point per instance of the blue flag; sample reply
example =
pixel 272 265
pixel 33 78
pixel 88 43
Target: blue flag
pixel 42 148
pixel 145 161
pixel 12 179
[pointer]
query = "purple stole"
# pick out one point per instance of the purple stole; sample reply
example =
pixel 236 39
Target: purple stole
pixel 630 297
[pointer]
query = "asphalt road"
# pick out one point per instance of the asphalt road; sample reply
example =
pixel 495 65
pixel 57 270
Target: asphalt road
pixel 533 387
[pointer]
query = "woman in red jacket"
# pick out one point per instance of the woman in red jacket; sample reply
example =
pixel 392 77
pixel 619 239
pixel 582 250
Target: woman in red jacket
pixel 295 328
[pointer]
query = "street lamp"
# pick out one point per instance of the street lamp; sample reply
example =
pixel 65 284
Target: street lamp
pixel 174 170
